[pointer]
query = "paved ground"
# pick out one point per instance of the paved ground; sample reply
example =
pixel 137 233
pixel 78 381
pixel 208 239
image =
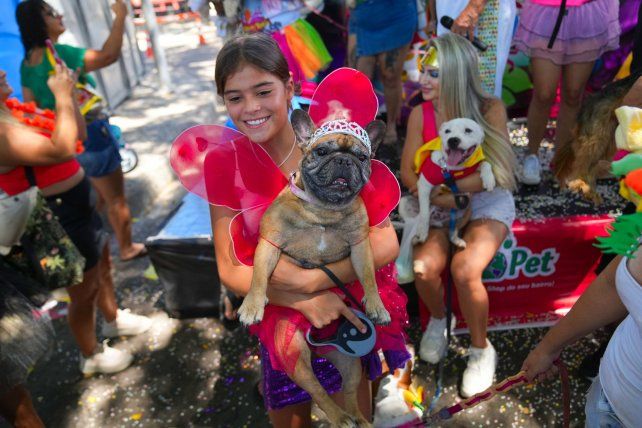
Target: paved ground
pixel 199 372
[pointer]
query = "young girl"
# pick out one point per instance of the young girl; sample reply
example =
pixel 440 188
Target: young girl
pixel 253 79
pixel 460 95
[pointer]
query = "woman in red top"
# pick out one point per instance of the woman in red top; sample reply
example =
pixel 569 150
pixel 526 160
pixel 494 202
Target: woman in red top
pixel 66 189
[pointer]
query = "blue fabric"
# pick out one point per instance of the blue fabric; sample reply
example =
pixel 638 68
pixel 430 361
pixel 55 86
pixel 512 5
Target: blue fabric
pixel 101 156
pixel 12 51
pixel 599 413
pixel 383 25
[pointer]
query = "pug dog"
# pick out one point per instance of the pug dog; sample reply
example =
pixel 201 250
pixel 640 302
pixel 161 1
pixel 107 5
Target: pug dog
pixel 460 139
pixel 320 219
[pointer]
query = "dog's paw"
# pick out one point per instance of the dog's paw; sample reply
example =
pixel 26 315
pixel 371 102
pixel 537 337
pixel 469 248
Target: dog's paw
pixel 421 234
pixel 377 312
pixel 251 311
pixel 487 176
pixel 347 421
pixel 458 242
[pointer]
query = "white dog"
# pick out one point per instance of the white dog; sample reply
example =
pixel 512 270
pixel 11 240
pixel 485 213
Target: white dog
pixel 458 154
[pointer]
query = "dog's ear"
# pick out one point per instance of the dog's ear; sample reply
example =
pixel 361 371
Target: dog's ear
pixel 376 131
pixel 303 127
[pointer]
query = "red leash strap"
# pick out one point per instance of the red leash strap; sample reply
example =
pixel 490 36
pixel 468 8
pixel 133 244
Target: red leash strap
pixel 504 386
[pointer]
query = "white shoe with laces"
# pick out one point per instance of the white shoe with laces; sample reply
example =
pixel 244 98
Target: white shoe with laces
pixel 126 324
pixel 532 170
pixel 433 342
pixel 480 372
pixel 105 360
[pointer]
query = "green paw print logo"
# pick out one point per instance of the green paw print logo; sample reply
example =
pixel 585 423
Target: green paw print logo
pixel 497 267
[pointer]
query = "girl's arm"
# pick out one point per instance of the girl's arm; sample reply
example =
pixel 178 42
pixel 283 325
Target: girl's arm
pixel 23 146
pixel 598 306
pixel 414 140
pixel 110 51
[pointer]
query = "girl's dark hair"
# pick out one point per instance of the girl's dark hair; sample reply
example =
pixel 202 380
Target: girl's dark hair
pixel 33 29
pixel 257 49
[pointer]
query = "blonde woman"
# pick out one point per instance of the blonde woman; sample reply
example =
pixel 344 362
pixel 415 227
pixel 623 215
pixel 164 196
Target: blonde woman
pixel 460 95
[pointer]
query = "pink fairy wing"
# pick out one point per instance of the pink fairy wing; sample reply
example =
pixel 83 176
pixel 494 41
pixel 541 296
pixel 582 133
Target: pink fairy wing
pixel 244 230
pixel 381 194
pixel 344 94
pixel 225 168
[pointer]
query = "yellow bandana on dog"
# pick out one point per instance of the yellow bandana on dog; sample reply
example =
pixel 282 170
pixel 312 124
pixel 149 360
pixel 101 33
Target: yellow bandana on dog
pixel 435 144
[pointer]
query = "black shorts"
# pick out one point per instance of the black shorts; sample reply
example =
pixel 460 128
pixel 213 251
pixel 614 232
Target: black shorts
pixel 75 212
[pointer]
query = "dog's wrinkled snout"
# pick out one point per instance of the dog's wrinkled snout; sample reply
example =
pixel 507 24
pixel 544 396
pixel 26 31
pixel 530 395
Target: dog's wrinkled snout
pixel 343 161
pixel 453 142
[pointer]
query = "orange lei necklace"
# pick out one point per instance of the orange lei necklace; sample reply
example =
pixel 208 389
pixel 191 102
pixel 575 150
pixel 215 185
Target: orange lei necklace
pixel 43 120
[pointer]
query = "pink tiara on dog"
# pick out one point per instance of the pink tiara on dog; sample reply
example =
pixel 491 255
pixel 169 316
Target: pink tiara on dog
pixel 342 126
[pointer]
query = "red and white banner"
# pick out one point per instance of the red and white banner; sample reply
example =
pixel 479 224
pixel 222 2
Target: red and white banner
pixel 540 271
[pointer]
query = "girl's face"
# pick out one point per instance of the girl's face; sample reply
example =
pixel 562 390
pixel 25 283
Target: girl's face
pixel 5 88
pixel 257 102
pixel 429 81
pixel 53 21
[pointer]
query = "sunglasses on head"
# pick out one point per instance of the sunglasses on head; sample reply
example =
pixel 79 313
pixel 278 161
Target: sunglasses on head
pixel 52 13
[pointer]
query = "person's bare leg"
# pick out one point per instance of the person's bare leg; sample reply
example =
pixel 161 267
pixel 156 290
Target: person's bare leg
pixel 391 66
pixel 430 259
pixel 351 57
pixel 295 416
pixel 82 311
pixel 17 408
pixel 112 189
pixel 366 65
pixel 574 78
pixel 546 76
pixel 483 238
pixel 106 295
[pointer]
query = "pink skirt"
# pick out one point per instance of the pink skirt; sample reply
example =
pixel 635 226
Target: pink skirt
pixel 587 31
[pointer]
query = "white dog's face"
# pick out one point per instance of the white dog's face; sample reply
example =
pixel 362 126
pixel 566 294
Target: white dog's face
pixel 459 139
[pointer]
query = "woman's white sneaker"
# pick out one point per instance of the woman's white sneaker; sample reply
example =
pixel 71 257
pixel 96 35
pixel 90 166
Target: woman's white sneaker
pixel 126 324
pixel 433 341
pixel 105 360
pixel 480 372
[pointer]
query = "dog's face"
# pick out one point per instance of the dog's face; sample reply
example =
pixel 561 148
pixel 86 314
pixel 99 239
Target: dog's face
pixel 459 139
pixel 336 166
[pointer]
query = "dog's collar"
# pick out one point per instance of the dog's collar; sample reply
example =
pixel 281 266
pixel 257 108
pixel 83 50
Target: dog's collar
pixel 297 191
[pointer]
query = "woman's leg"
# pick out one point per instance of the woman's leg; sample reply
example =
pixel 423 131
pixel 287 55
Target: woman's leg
pixel 391 66
pixel 17 408
pixel 106 295
pixel 430 259
pixel 112 189
pixel 366 65
pixel 546 75
pixel 483 238
pixel 574 78
pixel 82 311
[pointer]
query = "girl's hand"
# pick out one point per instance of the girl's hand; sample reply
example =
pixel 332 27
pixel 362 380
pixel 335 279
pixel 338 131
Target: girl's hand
pixel 539 365
pixel 324 307
pixel 63 82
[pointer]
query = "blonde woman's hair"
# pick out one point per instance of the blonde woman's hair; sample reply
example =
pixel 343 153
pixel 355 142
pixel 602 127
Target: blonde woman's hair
pixel 461 95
